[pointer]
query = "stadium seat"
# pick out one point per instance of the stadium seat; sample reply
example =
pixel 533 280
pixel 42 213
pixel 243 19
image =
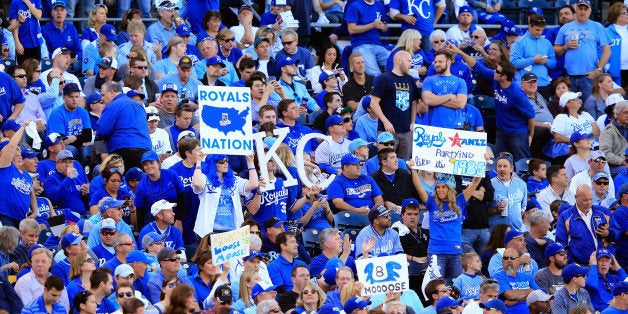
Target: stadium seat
pixel 521 165
pixel 310 240
pixel 353 234
pixel 46 65
pixel 82 81
pixel 350 220
pixel 8 63
pixel 394 217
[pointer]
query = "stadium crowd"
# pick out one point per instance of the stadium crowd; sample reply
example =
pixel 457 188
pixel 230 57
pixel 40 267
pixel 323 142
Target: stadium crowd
pixel 110 202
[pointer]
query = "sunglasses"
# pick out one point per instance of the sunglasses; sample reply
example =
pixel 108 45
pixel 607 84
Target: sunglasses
pixel 600 160
pixel 128 294
pixel 20 76
pixel 229 39
pixel 498 72
pixel 439 41
pixel 475 37
pixel 108 233
pixel 445 290
pixel 562 253
pixel 286 43
pixel 391 143
pixel 176 259
pixel 5 50
pixel 601 182
pixel 222 161
pixel 512 258
pixel 171 285
pixel 61 82
pixel 309 291
pixel 141 67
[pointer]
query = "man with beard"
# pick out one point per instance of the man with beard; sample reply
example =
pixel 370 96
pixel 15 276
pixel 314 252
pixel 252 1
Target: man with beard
pixel 550 278
pixel 108 69
pixel 514 239
pixel 510 195
pixel 514 286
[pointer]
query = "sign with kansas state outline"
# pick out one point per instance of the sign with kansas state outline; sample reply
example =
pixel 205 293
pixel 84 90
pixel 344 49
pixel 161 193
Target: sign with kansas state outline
pixel 383 274
pixel 225 118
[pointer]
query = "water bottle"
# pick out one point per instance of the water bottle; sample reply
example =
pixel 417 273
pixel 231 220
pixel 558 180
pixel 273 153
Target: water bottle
pixel 527 267
pixel 503 208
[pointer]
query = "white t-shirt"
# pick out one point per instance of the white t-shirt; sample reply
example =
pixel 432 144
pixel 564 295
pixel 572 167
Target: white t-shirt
pixel 161 141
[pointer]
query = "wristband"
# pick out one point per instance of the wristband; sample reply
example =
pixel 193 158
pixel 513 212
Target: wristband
pixel 249 169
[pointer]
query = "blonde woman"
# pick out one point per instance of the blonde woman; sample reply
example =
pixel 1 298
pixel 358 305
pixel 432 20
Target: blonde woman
pixel 81 268
pixel 410 41
pixel 97 18
pixel 310 299
pixel 248 279
pixel 227 47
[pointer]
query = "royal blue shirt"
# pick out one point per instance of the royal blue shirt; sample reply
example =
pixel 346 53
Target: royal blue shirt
pixel 275 202
pixel 520 281
pixel 295 133
pixel 29 32
pixel 280 271
pixel 166 187
pixel 421 9
pixel 446 226
pixel 38 306
pixel 361 13
pixel 67 37
pixel 15 198
pixel 62 269
pixel 356 192
pixel 442 116
pixel 65 192
pixel 67 122
pixel 123 124
pixel 10 94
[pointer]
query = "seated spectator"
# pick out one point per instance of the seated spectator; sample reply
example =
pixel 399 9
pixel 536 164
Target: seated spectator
pixel 163 225
pixel 479 44
pixel 273 227
pixel 515 240
pixel 384 140
pixel 184 120
pixel 169 262
pixel 29 233
pixel 105 251
pixel 435 290
pixel 496 53
pixel 579 151
pixel 573 119
pixel 66 187
pixel 537 240
pixel 97 18
pixel 280 270
pixel 600 184
pixel 511 277
pixel 329 153
pixel 352 191
pixel 53 288
pixel 213 71
pixel 410 41
pixel 72 245
pixel 332 246
pixel 174 50
pixel 9 301
pixel 131 15
pixel 612 142
pixel 558 188
pixel 573 293
pixel 33 76
pixel 101 286
pixel 227 43
pixel 208 49
pixel 359 84
pixel 122 245
pixel 265 62
pixel 596 163
pixel 289 113
pixel 109 208
pixel 395 182
pixel 489 292
pixel 108 71
pixel 140 68
pixel 31 286
pixel 329 83
pixel 168 284
pixel 291 50
pixel 59 33
pixel 538 179
pixel 510 194
pixel 366 125
pixel 91 56
pixel 290 86
pixel 210 25
pixel 550 278
pixel 600 282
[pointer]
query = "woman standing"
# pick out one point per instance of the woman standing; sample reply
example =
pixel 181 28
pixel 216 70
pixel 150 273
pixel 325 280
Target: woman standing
pixel 97 18
pixel 617 36
pixel 27 36
pixel 211 25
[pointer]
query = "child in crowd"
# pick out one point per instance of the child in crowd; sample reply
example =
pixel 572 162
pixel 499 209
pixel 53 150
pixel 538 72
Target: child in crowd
pixel 538 180
pixel 469 281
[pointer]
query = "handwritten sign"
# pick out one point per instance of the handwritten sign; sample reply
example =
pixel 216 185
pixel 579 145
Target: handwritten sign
pixel 230 245
pixel 383 274
pixel 449 151
pixel 225 120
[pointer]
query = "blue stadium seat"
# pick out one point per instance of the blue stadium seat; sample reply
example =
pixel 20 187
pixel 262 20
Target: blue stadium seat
pixel 353 234
pixel 394 217
pixel 310 240
pixel 521 165
pixel 46 65
pixel 350 220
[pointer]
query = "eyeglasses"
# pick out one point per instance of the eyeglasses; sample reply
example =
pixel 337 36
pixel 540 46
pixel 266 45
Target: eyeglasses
pixel 475 37
pixel 172 284
pixel 141 67
pixel 128 294
pixel 512 258
pixel 222 161
pixel 157 243
pixel 61 82
pixel 445 290
pixel 391 143
pixel 176 259
pixel 115 158
pixel 601 182
pixel 228 39
pixel 439 41
pixel 108 233
pixel 286 43
pixel 309 291
pixel 127 243
pixel 384 216
pixel 20 75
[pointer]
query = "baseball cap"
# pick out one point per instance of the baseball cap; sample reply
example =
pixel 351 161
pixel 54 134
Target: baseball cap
pixel 279 3
pixel 446 302
pixel 576 136
pixel 350 159
pixel 324 75
pixel 377 211
pixel 509 28
pixel 385 137
pixel 108 223
pixel 536 10
pixel 529 77
pixel 566 97
pixel 149 156
pixel 93 98
pixel 259 40
pixel 245 7
pixel 332 266
pixel 109 31
pixel 253 254
pixel 64 154
pixel 54 138
pixel 532 203
pixel 334 120
pixel 366 102
pixel 133 174
pixel 355 303
pixel 70 88
pixel 613 99
pixel 553 249
pixel 495 304
pixel 58 3
pixel 409 201
pixel 585 2
pixel 29 153
pixel 465 9
pixel 166 253
pixel 599 175
pixel 537 295
pixel 357 143
pixel 215 60
pixel 169 87
pixel 132 93
pixel 512 234
pixel 572 270
pixel 108 63
pixel 70 239
pixel 33 248
pixel 596 155
pixel 183 30
pixel 269 141
pixel 61 51
pixel 342 110
pixel 137 256
pixel 123 270
pixel 167 5
pixel 161 205
pixel 273 222
pixel 186 134
pixel 287 61
pixel 10 125
pixel 109 203
pixel 623 189
pixel 260 288
pixel 603 253
pixel 185 61
pixel 620 287
pixel 152 237
pixel 152 114
pixel 223 294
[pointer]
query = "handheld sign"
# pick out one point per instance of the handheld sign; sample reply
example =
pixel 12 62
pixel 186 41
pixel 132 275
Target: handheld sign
pixel 225 119
pixel 230 245
pixel 383 274
pixel 449 151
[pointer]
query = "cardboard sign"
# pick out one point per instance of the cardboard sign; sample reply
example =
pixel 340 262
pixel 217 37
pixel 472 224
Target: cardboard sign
pixel 230 245
pixel 449 151
pixel 383 274
pixel 225 120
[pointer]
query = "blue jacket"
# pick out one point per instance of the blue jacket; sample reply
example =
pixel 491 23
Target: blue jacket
pixel 65 192
pixel 123 124
pixel 522 55
pixel 600 290
pixel 614 61
pixel 572 231
pixel 9 300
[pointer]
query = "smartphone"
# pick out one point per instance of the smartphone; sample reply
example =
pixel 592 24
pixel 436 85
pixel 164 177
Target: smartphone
pixel 272 78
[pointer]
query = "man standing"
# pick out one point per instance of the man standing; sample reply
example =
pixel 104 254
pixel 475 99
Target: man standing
pixel 393 101
pixel 510 195
pixel 418 15
pixel 366 20
pixel 58 33
pixel 123 125
pixel 359 84
pixel 566 14
pixel 280 270
pixel 550 278
pixel 557 190
pixel 573 293
pixel 580 41
pixel 353 191
pixel 514 285
pixel 395 183
pixel 542 116
pixel 378 238
pixel 160 32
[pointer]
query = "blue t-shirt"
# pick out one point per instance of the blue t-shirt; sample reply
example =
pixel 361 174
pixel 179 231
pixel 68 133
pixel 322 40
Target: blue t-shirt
pixel 234 55
pixel 173 239
pixel 442 116
pixel 423 10
pixel 318 220
pixel 65 192
pixel 165 66
pixel 43 210
pixel 275 202
pixel 356 192
pixel 519 282
pixel 446 226
pixel 15 198
pixel 224 221
pixel 166 187
pixel 67 122
pixel 591 37
pixel 469 286
pixel 191 201
pixel 361 13
pixel 396 95
pixel 36 87
pixel 10 95
pixel 29 32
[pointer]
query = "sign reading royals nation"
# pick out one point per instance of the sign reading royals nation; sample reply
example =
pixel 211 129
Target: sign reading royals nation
pixel 449 150
pixel 226 123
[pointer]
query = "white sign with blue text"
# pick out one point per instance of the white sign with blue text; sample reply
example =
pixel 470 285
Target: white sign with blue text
pixel 449 150
pixel 383 274
pixel 225 119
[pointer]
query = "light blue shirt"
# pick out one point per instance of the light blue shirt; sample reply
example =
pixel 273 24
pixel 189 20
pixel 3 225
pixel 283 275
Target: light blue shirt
pixel 591 37
pixel 522 55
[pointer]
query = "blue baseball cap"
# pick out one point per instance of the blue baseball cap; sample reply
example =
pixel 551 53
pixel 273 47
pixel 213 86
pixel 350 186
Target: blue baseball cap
pixel 109 31
pixel 600 175
pixel 152 237
pixel 70 239
pixel 133 174
pixel 355 303
pixel 324 75
pixel 259 40
pixel 108 223
pixel 183 30
pixel 110 202
pixel 54 138
pixel 536 10
pixel 137 256
pixel 58 3
pixel 553 249
pixel 287 61
pixel 377 211
pixel 33 248
pixel 446 302
pixel 512 234
pixel 93 98
pixel 623 189
pixel 446 179
pixel 149 156
pixel 132 93
pixel 279 3
pixel 620 287
pixel 603 253
pixel 260 288
pixel 350 159
pixel 332 266
pixel 465 9
pixel 70 88
pixel 385 137
pixel 253 254
pixel 169 87
pixel 29 153
pixel 572 270
pixel 495 304
pixel 335 120
pixel 576 136
pixel 273 222
pixel 584 2
pixel 409 201
pixel 357 143
pixel 366 102
pixel 10 125
pixel 215 60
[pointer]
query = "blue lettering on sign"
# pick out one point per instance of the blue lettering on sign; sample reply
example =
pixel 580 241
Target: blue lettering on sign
pixel 440 164
pixel 474 142
pixel 469 168
pixel 224 96
pixel 428 140
pixel 419 162
pixel 390 275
